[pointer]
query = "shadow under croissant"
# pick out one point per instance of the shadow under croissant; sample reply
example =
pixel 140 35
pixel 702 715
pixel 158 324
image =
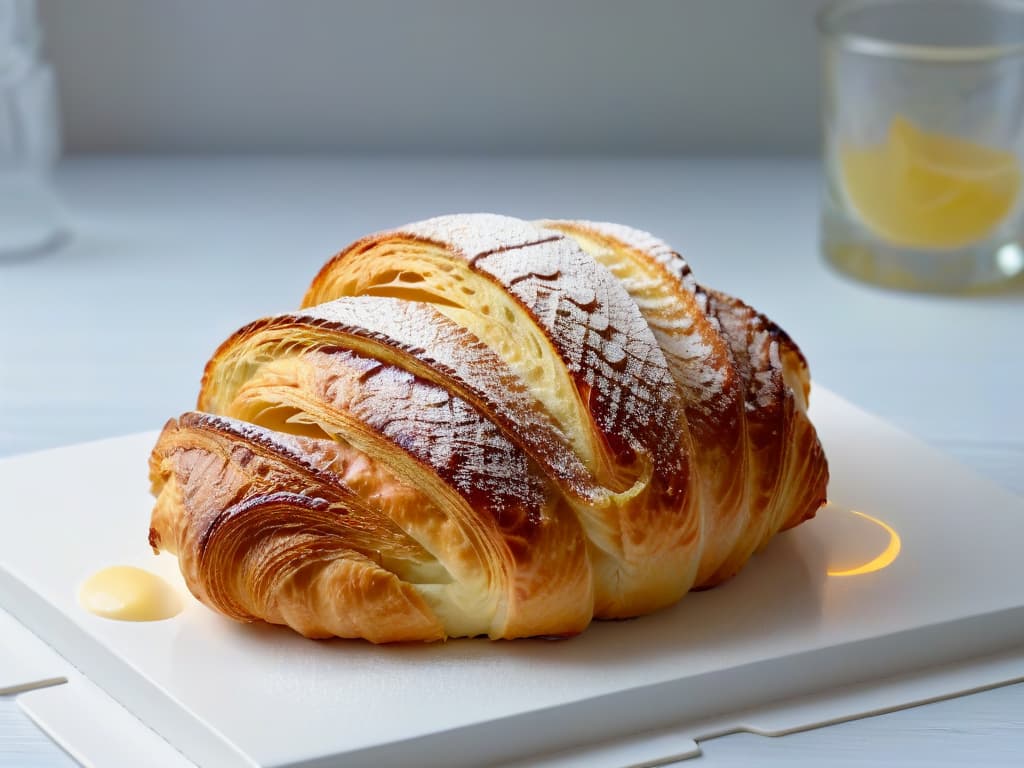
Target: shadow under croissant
pixel 779 592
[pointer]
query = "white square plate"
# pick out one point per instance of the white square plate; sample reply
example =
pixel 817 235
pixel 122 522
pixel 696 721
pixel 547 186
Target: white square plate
pixel 232 695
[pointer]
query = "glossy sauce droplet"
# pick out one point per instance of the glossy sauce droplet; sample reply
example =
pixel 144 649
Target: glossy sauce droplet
pixel 126 593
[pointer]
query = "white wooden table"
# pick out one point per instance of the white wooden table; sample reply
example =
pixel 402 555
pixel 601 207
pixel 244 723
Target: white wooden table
pixel 108 335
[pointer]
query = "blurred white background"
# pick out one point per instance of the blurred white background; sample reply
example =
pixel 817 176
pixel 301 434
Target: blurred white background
pixel 581 76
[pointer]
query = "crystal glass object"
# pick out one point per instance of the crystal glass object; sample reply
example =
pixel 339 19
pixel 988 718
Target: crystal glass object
pixel 923 121
pixel 30 218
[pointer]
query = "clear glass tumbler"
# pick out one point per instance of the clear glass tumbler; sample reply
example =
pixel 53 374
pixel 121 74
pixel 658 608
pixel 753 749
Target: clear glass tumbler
pixel 923 117
pixel 30 218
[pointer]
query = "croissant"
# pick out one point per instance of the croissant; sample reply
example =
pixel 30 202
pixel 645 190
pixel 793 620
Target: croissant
pixel 478 425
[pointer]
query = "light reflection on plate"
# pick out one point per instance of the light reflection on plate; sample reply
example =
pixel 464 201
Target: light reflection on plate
pixel 861 543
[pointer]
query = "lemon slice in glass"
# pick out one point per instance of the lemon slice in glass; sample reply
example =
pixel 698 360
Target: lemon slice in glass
pixel 924 190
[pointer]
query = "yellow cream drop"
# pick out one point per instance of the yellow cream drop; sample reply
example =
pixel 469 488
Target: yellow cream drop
pixel 127 593
pixel 928 190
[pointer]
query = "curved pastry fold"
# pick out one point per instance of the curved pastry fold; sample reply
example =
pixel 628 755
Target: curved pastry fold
pixel 478 425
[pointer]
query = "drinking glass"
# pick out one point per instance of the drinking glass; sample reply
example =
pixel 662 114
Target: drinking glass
pixel 923 122
pixel 30 218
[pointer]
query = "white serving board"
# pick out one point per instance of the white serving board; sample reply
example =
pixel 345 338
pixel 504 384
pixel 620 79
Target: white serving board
pixel 26 663
pixel 95 730
pixel 233 695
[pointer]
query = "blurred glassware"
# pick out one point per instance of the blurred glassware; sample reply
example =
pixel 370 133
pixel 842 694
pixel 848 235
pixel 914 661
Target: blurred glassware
pixel 923 112
pixel 30 217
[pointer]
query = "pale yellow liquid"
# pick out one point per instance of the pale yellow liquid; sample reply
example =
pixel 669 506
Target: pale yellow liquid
pixel 927 190
pixel 127 593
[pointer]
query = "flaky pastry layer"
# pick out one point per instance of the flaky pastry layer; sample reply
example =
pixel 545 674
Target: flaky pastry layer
pixel 478 425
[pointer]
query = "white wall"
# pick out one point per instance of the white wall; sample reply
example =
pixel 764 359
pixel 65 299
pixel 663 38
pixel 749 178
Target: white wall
pixel 448 75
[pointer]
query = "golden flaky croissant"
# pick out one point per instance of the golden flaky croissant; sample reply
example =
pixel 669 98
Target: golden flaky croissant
pixel 483 426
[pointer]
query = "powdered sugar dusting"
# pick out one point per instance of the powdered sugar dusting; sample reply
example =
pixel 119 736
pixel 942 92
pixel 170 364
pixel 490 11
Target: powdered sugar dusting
pixel 440 429
pixel 476 234
pixel 462 360
pixel 603 339
pixel 652 246
pixel 692 347
pixel 752 339
pixel 588 316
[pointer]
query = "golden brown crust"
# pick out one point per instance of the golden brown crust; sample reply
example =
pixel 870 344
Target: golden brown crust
pixel 788 471
pixel 592 332
pixel 428 344
pixel 712 391
pixel 251 515
pixel 485 426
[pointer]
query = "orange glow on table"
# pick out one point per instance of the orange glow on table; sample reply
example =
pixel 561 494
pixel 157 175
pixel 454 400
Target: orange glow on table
pixel 884 559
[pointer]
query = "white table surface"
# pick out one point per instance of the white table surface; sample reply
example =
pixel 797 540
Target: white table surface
pixel 108 335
